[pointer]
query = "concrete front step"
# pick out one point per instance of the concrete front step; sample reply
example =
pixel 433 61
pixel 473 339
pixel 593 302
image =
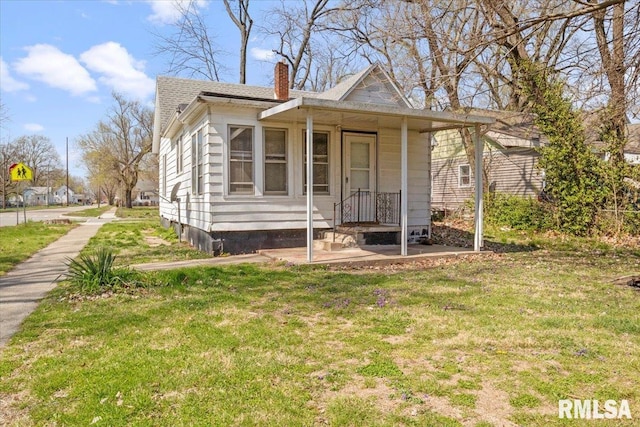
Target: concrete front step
pixel 347 239
pixel 354 237
pixel 327 245
pixel 335 241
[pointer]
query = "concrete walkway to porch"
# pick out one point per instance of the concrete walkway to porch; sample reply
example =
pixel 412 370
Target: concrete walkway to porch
pixel 367 255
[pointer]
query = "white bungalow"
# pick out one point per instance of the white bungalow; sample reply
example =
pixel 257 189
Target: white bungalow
pixel 235 161
pixel 38 196
pixel 60 195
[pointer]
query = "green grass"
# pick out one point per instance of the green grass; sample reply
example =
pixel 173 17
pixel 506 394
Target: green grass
pixel 30 208
pixel 146 212
pixel 90 212
pixel 465 343
pixel 139 240
pixel 17 243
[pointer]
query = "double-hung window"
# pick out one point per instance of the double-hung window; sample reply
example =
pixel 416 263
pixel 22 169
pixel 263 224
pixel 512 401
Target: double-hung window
pixel 164 174
pixel 464 176
pixel 179 154
pixel 240 160
pixel 197 156
pixel 320 163
pixel 275 161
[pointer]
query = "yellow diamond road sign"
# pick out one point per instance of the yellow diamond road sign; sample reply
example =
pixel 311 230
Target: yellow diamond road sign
pixel 20 172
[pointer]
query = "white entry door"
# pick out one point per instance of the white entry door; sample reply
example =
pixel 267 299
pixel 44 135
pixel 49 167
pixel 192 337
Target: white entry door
pixel 360 163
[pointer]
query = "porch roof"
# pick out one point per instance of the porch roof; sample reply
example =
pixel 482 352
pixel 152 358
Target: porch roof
pixel 345 113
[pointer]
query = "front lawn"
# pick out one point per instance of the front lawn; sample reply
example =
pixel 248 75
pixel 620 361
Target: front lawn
pixel 17 243
pixel 489 341
pixel 146 212
pixel 139 240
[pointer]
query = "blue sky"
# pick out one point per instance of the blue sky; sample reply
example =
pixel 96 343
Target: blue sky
pixel 61 60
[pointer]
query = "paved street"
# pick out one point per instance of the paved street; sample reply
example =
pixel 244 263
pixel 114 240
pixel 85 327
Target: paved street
pixel 9 218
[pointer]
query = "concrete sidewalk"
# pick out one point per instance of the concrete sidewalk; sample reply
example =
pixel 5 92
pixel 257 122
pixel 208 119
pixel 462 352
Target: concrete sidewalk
pixel 25 285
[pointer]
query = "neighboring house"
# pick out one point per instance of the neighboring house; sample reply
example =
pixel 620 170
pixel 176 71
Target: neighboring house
pixel 632 149
pixel 38 196
pixel 60 195
pixel 146 193
pixel 510 155
pixel 233 160
pixel 15 200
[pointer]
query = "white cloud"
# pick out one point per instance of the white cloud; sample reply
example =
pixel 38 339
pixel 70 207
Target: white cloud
pixel 7 82
pixel 119 70
pixel 50 65
pixel 33 127
pixel 169 11
pixel 261 54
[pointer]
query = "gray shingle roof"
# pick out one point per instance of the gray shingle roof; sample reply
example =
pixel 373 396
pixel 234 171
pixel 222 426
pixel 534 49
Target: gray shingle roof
pixel 173 91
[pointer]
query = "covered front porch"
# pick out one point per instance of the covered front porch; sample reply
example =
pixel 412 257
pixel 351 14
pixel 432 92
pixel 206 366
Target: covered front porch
pixel 360 116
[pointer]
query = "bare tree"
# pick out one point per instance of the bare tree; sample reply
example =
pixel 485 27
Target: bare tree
pixel 102 180
pixel 428 46
pixel 191 46
pixel 37 152
pixel 303 32
pixel 241 18
pixel 119 144
pixel 8 156
pixel 618 44
pixel 327 66
pixel 4 115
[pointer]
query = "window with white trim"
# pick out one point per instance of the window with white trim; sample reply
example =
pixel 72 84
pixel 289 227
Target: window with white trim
pixel 164 174
pixel 464 176
pixel 240 160
pixel 275 161
pixel 179 154
pixel 197 157
pixel 320 163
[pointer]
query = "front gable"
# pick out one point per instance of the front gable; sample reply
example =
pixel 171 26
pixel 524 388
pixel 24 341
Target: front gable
pixel 372 86
pixel 376 88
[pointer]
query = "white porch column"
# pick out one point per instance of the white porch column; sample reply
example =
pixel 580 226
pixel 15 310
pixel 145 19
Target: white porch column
pixel 309 185
pixel 404 187
pixel 478 241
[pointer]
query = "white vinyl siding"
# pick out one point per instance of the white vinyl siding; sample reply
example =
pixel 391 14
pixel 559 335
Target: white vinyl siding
pixel 241 160
pixel 275 162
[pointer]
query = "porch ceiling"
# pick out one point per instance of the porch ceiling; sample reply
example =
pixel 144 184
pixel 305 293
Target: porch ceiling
pixel 345 114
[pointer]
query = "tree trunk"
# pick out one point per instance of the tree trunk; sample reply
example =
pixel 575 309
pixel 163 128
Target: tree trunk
pixel 127 198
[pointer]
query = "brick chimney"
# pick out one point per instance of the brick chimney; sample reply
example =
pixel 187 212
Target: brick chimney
pixel 282 81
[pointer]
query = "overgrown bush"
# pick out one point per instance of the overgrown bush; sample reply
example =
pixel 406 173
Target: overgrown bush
pixel 519 213
pixel 574 175
pixel 95 271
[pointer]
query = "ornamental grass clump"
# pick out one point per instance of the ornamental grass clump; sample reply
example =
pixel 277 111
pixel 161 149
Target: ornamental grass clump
pixel 95 271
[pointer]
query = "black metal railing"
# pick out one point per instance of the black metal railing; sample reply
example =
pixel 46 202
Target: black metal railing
pixel 367 207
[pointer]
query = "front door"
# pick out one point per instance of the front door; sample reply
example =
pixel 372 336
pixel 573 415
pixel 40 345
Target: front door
pixel 359 163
